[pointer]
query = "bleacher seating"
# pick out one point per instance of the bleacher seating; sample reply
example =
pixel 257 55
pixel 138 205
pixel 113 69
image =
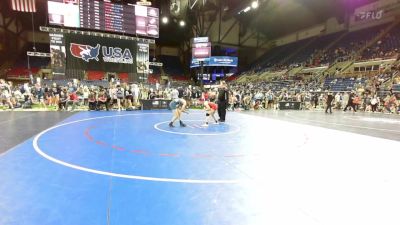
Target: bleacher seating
pixel 95 75
pixel 351 43
pixel 315 51
pixel 20 72
pixel 272 58
pixel 386 47
pixel 309 55
pixel 396 88
pixel 342 84
pixel 153 78
pixel 123 77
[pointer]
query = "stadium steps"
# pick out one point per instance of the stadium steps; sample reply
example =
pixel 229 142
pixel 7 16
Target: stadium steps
pixel 241 78
pixel 295 71
pixel 341 65
pixel 389 82
pixel 332 68
pixel 346 66
pixel 378 37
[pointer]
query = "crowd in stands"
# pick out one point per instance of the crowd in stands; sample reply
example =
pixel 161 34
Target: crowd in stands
pixel 327 49
pixel 376 92
pixel 331 48
pixel 367 94
pixel 72 95
pixel 386 47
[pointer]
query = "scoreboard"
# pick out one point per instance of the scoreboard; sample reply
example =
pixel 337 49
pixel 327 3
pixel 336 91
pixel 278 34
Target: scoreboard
pixel 105 16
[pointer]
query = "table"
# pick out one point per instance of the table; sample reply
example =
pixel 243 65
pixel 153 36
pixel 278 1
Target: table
pixel 289 105
pixel 155 104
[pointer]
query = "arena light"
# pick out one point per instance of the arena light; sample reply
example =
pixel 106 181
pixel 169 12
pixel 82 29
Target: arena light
pixel 182 23
pixel 247 9
pixel 254 5
pixel 165 20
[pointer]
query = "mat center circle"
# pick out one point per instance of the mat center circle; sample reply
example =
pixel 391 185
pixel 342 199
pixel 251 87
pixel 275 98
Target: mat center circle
pixel 196 127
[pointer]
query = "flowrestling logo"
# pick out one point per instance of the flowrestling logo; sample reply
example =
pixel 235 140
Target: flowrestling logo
pixel 110 54
pixel 370 15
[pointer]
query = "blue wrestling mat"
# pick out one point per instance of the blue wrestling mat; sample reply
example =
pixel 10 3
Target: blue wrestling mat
pixel 110 168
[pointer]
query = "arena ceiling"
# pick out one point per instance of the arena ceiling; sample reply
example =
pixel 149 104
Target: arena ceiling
pixel 274 18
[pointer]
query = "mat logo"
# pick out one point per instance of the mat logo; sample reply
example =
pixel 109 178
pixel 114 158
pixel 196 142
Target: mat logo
pixel 85 52
pixel 117 55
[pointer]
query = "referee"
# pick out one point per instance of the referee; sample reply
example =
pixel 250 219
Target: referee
pixel 223 97
pixel 329 100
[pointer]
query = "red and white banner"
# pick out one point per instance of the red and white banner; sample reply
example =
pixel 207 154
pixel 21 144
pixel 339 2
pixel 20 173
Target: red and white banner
pixel 24 5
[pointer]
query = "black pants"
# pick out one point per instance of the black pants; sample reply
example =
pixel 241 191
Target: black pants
pixel 222 110
pixel 100 103
pixel 351 105
pixel 62 105
pixel 328 106
pixel 374 107
pixel 92 106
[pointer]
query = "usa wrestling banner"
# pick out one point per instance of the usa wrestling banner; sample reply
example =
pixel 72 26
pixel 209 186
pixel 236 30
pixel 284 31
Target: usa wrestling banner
pixel 99 53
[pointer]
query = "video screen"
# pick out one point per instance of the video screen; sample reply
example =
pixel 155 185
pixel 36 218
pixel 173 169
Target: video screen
pixel 104 16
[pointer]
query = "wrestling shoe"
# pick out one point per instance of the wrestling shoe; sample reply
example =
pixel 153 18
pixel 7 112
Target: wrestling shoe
pixel 171 125
pixel 182 124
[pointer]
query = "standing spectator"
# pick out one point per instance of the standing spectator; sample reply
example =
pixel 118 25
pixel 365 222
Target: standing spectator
pixel 62 103
pixel 6 97
pixel 270 99
pixel 374 103
pixel 85 95
pixel 72 100
pixel 350 103
pixel 223 96
pixel 357 102
pixel 40 94
pixel 329 100
pixel 128 99
pixel 55 94
pixel 119 92
pixel 135 93
pixel 187 96
pixel 315 100
pixel 174 94
pixel 338 100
